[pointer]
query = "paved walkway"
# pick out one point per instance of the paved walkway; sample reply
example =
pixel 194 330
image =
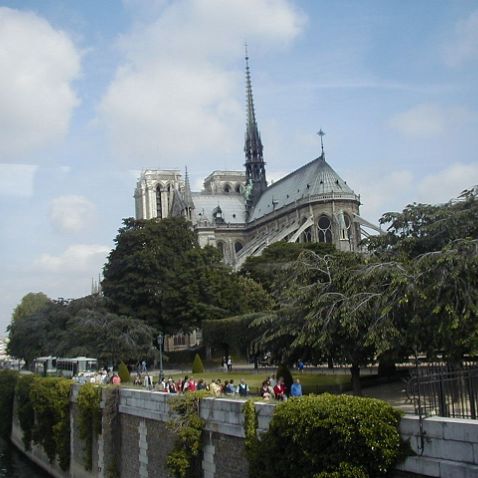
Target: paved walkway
pixel 393 393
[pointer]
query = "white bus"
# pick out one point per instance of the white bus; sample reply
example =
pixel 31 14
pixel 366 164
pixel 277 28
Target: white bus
pixel 45 365
pixel 69 367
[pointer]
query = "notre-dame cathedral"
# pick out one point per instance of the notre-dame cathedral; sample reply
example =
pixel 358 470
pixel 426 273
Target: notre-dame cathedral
pixel 240 214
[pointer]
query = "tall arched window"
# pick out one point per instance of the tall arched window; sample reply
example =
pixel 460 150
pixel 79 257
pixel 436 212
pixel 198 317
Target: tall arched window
pixel 220 247
pixel 159 202
pixel 238 246
pixel 325 229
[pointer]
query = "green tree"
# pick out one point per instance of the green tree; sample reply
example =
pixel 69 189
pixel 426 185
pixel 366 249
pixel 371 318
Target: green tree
pixel 158 273
pixel 328 313
pixel 30 303
pixel 80 327
pixel 270 268
pixel 422 228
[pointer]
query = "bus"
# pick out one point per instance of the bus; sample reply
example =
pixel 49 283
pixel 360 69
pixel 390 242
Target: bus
pixel 45 366
pixel 66 367
pixel 69 367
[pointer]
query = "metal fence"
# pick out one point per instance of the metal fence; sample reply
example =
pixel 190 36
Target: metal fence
pixel 446 392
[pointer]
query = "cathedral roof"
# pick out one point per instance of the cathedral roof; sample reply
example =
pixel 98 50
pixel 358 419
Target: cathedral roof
pixel 315 180
pixel 231 206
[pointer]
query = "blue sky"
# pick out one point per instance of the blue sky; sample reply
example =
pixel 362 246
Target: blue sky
pixel 92 92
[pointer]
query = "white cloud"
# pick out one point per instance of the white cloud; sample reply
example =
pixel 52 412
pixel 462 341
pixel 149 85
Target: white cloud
pixel 76 258
pixel 383 192
pixel 428 120
pixel 174 95
pixel 464 46
pixel 72 213
pixel 17 180
pixel 448 183
pixel 37 64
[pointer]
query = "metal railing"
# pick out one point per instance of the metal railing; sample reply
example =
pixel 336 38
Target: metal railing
pixel 443 391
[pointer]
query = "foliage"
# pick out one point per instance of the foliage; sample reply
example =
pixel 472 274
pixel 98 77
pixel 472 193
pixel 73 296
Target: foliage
pixel 423 228
pixel 30 335
pixel 188 427
pixel 159 274
pixel 271 267
pixel 328 313
pixel 30 303
pixel 8 381
pixel 250 430
pixel 25 412
pixel 345 470
pixel 123 373
pixel 89 418
pixel 112 430
pixel 284 372
pixel 198 366
pixel 50 398
pixel 233 332
pixel 433 299
pixel 80 327
pixel 339 435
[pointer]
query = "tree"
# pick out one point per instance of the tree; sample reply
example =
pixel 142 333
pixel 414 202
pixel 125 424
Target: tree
pixel 159 274
pixel 271 266
pixel 30 303
pixel 328 313
pixel 433 300
pixel 422 228
pixel 80 327
pixel 429 260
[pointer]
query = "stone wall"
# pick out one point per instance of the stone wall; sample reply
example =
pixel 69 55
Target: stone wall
pixel 447 447
pixel 138 442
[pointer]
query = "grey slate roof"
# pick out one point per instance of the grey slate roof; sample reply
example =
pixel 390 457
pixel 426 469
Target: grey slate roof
pixel 315 179
pixel 232 207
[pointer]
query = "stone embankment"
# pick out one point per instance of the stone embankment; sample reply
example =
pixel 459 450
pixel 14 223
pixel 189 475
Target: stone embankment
pixel 139 442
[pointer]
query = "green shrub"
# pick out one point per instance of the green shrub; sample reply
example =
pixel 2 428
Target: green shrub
pixel 123 373
pixel 329 436
pixel 8 381
pixel 50 398
pixel 89 418
pixel 187 425
pixel 198 367
pixel 284 372
pixel 25 412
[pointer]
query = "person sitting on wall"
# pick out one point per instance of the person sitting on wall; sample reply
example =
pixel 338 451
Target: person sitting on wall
pixel 116 379
pixel 296 389
pixel 171 386
pixel 280 390
pixel 215 388
pixel 242 388
pixel 265 391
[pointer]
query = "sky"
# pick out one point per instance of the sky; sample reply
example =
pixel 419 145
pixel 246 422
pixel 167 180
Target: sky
pixel 93 92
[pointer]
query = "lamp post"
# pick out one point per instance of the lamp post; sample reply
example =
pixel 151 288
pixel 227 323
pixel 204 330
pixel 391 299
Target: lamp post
pixel 160 343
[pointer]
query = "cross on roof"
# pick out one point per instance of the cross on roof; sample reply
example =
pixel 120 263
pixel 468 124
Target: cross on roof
pixel 321 134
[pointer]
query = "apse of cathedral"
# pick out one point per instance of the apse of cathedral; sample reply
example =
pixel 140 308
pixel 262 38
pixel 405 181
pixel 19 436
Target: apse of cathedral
pixel 241 214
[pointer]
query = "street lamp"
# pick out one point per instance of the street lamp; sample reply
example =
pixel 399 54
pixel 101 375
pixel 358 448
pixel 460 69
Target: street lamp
pixel 160 343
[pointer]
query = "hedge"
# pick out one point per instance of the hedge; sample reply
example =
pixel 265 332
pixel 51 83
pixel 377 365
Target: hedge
pixel 329 436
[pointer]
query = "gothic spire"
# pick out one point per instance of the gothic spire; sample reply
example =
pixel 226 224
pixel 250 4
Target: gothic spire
pixel 188 197
pixel 255 166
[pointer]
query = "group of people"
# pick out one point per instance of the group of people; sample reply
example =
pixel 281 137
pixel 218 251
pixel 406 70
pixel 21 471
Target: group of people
pixel 277 389
pixel 270 389
pixel 102 377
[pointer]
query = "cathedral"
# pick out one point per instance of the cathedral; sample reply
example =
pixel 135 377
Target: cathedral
pixel 241 214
